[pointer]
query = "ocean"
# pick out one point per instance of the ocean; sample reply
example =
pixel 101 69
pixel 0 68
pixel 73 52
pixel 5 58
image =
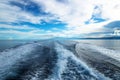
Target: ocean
pixel 60 59
pixel 110 44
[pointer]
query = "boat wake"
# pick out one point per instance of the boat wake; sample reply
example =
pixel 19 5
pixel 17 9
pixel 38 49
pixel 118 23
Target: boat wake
pixel 45 61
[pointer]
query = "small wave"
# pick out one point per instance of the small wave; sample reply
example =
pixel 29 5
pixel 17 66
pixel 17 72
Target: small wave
pixel 68 67
pixel 12 57
pixel 45 62
pixel 104 60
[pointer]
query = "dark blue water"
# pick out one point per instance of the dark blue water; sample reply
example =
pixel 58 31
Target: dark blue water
pixel 52 60
pixel 47 60
pixel 6 44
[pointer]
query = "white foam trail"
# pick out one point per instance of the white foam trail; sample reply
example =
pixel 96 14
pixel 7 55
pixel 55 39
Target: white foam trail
pixel 63 55
pixel 61 62
pixel 99 50
pixel 12 56
pixel 111 53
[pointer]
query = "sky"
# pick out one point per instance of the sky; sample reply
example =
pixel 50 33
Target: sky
pixel 44 19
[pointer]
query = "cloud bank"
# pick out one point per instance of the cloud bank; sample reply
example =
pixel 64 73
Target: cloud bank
pixel 82 17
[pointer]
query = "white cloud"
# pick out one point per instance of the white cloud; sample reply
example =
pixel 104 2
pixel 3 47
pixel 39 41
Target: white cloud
pixel 9 13
pixel 24 27
pixel 76 12
pixel 109 9
pixel 73 12
pixel 43 34
pixel 34 34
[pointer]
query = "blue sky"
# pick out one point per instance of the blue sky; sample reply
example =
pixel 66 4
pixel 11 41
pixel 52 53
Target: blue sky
pixel 43 19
